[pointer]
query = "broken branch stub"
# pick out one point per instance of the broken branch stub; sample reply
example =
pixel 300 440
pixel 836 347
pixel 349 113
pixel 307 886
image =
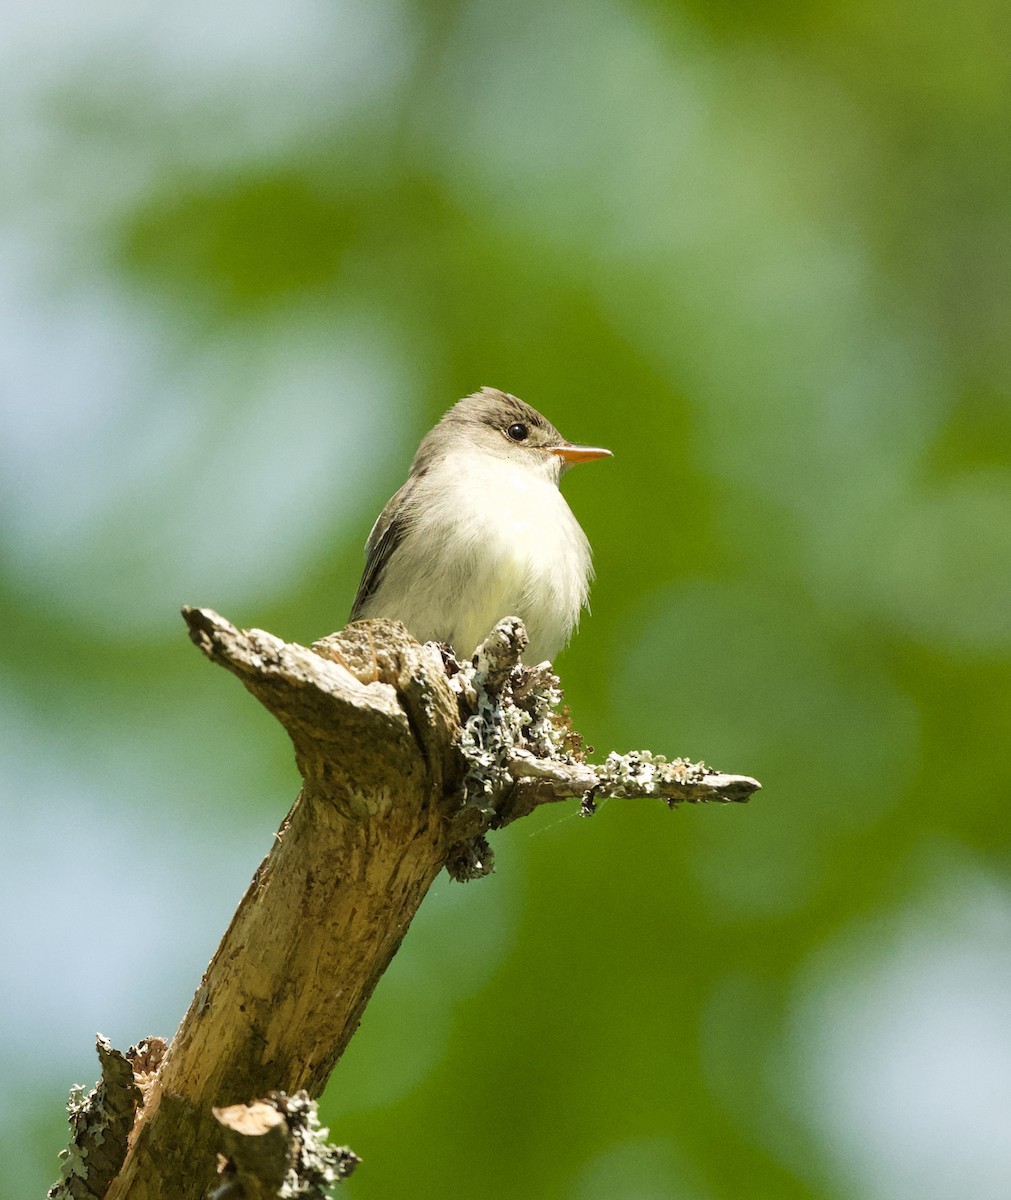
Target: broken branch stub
pixel 408 758
pixel 277 1147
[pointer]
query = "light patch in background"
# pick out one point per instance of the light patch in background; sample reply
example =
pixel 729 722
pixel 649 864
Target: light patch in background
pixel 112 900
pixel 641 1169
pixel 143 469
pixel 143 463
pixel 901 1042
pixel 121 874
pixel 752 680
pixel 212 85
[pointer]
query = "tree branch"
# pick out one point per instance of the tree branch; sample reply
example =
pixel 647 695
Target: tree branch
pixel 408 758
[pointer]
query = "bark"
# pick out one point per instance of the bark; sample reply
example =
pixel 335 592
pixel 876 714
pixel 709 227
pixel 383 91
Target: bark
pixel 408 759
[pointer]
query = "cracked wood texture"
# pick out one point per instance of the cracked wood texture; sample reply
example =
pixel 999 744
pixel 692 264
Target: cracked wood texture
pixel 330 903
pixel 407 759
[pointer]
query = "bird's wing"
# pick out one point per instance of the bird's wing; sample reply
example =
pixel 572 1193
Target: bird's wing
pixel 386 536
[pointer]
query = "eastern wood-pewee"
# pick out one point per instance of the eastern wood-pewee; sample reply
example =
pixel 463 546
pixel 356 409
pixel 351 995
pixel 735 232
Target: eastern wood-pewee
pixel 480 531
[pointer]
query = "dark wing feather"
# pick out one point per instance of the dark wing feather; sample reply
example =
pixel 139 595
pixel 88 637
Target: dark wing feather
pixel 386 536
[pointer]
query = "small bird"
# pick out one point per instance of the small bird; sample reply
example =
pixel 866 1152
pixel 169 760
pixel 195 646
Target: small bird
pixel 480 531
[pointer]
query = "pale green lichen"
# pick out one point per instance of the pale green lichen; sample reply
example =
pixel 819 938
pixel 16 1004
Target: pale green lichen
pixel 101 1120
pixel 81 1105
pixel 316 1166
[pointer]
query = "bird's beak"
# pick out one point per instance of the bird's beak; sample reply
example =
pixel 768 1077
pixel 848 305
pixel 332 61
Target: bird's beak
pixel 570 454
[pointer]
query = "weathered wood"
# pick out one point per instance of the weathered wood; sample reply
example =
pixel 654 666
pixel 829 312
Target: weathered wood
pixel 329 905
pixel 408 758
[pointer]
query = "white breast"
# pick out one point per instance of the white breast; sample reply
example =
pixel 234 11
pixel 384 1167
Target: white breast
pixel 492 539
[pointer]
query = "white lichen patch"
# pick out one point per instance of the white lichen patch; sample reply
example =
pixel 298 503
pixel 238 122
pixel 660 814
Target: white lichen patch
pixel 643 773
pixel 488 736
pixel 505 707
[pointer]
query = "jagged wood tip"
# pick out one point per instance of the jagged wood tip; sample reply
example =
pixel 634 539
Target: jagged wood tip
pixel 101 1120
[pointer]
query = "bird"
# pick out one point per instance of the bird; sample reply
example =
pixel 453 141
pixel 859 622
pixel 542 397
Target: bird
pixel 480 531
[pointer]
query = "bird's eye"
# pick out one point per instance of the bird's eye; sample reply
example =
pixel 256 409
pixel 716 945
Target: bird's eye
pixel 517 432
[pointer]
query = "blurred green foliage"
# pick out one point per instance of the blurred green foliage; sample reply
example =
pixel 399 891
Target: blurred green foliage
pixel 760 251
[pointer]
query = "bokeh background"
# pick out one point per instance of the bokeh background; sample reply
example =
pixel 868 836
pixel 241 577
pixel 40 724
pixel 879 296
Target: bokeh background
pixel 249 253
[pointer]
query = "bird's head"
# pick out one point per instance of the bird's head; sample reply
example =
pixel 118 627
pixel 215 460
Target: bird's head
pixel 497 423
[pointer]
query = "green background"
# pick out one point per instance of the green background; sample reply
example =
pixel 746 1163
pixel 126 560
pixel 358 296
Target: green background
pixel 762 251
